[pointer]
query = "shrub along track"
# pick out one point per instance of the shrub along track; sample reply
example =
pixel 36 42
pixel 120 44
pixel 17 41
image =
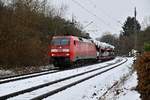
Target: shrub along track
pixel 61 80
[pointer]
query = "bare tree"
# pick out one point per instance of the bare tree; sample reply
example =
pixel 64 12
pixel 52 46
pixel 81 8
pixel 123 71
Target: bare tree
pixel 146 22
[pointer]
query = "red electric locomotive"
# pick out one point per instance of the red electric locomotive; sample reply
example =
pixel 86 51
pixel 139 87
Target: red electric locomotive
pixel 67 50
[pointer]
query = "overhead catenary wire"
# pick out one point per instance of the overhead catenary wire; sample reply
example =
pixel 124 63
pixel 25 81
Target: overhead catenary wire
pixel 93 14
pixel 106 14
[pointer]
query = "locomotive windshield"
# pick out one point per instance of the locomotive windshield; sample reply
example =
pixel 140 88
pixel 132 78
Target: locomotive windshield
pixel 60 41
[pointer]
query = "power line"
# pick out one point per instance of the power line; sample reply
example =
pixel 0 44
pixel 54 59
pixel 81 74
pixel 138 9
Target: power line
pixel 91 13
pixel 88 25
pixel 106 14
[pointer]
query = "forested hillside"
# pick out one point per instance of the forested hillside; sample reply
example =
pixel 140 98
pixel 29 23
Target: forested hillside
pixel 26 28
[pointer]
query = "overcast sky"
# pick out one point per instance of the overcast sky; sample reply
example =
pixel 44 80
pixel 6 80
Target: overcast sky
pixel 104 15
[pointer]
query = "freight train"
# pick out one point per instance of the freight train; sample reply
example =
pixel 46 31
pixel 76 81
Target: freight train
pixel 66 51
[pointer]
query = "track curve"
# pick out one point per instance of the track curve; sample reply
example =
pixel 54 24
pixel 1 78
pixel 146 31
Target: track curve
pixel 57 81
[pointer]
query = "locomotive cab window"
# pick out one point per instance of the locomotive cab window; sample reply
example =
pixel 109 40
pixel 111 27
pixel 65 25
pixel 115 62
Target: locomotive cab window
pixel 60 41
pixel 74 42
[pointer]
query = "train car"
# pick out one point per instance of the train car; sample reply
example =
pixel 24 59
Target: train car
pixel 105 50
pixel 68 50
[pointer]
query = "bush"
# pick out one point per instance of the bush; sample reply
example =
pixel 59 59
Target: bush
pixel 143 70
pixel 147 46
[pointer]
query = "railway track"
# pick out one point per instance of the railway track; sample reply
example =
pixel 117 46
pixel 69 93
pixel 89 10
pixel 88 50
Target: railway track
pixel 30 75
pixel 66 81
pixel 25 76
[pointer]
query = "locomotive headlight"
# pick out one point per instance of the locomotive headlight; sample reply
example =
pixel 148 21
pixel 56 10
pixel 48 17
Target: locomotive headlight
pixel 53 54
pixel 54 50
pixel 67 54
pixel 65 50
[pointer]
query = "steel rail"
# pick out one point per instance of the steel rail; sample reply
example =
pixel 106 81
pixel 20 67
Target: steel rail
pixel 30 75
pixel 49 83
pixel 26 76
pixel 73 83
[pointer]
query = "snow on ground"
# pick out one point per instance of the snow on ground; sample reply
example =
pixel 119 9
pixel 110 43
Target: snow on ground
pixel 34 81
pixel 6 73
pixel 125 90
pixel 128 89
pixel 35 93
pixel 12 70
pixel 92 89
pixel 96 87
